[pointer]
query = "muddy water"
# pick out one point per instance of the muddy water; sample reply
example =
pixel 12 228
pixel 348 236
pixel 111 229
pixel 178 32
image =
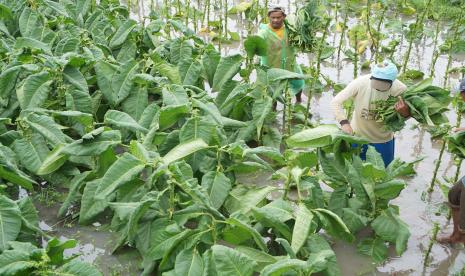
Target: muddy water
pixel 418 210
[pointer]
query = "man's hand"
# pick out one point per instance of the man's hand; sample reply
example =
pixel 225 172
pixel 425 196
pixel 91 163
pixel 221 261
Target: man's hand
pixel 402 108
pixel 347 128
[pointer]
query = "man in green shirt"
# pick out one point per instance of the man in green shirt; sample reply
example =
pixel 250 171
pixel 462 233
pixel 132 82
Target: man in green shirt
pixel 279 53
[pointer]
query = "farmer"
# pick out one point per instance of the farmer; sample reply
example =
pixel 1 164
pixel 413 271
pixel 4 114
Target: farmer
pixel 457 200
pixel 364 91
pixel 279 53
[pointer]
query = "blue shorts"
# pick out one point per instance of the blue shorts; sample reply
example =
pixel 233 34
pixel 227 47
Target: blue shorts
pixel 385 149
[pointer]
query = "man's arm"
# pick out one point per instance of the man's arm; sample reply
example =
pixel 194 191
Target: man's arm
pixel 337 105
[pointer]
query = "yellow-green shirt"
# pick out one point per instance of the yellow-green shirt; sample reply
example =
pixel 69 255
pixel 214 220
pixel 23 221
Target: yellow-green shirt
pixel 279 32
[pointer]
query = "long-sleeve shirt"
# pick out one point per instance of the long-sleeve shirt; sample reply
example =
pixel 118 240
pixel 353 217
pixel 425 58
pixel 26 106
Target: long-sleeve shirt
pixel 363 118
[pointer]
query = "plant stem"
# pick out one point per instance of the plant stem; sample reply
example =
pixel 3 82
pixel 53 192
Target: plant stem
pixel 431 242
pixel 342 36
pixel 418 22
pixel 220 34
pixel 288 109
pixel 287 184
pixel 378 31
pixel 309 99
pixel 435 52
pixel 454 38
pixel 368 13
pixel 187 12
pixel 226 18
pixel 438 163
pixel 355 56
pixel 178 7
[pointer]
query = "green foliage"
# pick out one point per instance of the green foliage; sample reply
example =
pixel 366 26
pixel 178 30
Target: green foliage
pixel 153 131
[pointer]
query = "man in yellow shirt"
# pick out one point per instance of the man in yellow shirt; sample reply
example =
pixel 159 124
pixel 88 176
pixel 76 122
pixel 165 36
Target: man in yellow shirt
pixel 279 53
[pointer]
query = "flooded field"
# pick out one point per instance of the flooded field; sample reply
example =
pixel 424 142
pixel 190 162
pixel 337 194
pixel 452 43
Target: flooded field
pixel 418 209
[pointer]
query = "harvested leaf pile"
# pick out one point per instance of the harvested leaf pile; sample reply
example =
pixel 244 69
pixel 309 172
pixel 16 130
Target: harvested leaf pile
pixel 427 104
pixel 302 32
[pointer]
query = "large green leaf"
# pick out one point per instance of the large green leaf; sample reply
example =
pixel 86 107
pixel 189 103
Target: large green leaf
pixel 74 77
pixel 122 33
pixel 231 262
pixel 390 189
pixel 8 79
pixel 78 268
pixel 255 45
pixel 57 7
pixel 375 248
pixel 9 170
pixel 199 196
pixel 31 152
pixel 78 100
pixel 91 207
pixel 123 120
pixel 317 137
pixel 261 258
pixel 54 160
pixel 303 220
pixel 226 70
pixel 10 221
pixel 174 95
pixel 272 220
pixel 76 183
pixel 333 224
pixel 283 266
pixel 93 146
pixel 260 110
pixel 249 230
pixel 169 115
pixel 136 102
pixel 189 263
pixel 190 71
pixel 183 150
pixel 125 169
pixel 34 91
pixel 277 74
pixel 104 73
pixel 210 59
pixel 48 128
pixel 391 228
pixel 242 199
pixel 166 241
pixel 197 127
pixel 180 49
pixel 122 83
pixel 353 220
pixel 217 186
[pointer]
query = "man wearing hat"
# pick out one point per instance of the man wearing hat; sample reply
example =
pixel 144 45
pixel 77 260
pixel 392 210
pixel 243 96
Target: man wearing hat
pixel 365 91
pixel 456 198
pixel 279 53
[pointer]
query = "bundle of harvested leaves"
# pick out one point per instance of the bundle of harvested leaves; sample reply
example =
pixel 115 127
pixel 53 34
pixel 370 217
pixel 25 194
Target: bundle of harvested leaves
pixel 427 105
pixel 302 30
pixel 456 144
